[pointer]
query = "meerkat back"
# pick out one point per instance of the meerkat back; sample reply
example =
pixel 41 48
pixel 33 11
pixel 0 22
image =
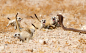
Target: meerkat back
pixel 25 35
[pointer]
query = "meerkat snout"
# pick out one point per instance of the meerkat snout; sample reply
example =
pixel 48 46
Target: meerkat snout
pixel 43 21
pixel 53 18
pixel 19 19
pixel 16 35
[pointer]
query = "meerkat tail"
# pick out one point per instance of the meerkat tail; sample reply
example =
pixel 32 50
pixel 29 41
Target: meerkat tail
pixel 8 18
pixel 37 17
pixel 17 23
pixel 34 26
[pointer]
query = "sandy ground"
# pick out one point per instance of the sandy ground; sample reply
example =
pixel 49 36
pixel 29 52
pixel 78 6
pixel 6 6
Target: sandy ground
pixel 44 41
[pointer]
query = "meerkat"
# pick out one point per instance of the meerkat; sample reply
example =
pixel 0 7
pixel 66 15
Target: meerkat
pixel 44 24
pixel 25 33
pixel 13 22
pixel 50 24
pixel 47 24
pixel 57 22
pixel 53 22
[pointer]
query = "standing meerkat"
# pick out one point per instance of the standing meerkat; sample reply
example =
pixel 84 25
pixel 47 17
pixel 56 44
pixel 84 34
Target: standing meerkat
pixel 25 33
pixel 13 22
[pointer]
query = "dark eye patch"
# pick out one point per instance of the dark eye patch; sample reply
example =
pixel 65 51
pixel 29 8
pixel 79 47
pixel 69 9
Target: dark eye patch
pixel 25 38
pixel 18 34
pixel 15 34
pixel 19 18
pixel 12 24
pixel 58 20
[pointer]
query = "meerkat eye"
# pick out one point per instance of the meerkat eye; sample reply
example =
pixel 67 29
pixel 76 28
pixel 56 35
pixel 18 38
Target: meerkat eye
pixel 25 38
pixel 19 18
pixel 58 20
pixel 18 34
pixel 15 34
pixel 44 20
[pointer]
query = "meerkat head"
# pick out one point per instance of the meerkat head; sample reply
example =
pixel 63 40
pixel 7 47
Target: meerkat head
pixel 16 35
pixel 43 21
pixel 19 19
pixel 53 18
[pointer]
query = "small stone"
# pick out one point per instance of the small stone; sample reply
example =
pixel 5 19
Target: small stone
pixel 6 44
pixel 1 48
pixel 44 42
pixel 41 41
pixel 30 50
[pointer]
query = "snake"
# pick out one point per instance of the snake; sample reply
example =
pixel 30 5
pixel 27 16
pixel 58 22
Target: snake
pixel 60 17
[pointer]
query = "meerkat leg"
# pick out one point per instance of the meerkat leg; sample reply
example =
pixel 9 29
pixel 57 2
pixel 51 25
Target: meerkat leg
pixel 41 27
pixel 19 26
pixel 15 27
pixel 27 40
pixel 48 27
pixel 7 25
pixel 53 25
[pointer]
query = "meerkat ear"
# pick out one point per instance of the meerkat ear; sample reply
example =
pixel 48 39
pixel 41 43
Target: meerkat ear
pixel 8 18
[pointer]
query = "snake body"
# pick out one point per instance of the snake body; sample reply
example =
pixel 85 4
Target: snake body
pixel 68 29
